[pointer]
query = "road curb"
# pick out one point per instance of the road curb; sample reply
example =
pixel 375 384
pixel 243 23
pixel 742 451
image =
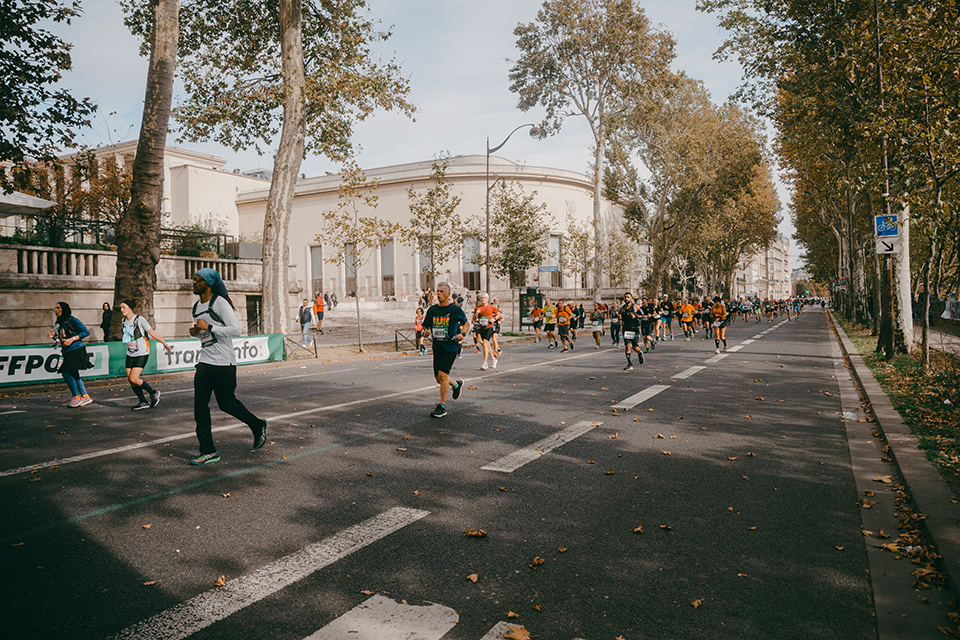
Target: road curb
pixel 929 492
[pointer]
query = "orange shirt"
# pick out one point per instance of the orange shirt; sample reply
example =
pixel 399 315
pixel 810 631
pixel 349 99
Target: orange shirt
pixel 563 315
pixel 536 313
pixel 686 312
pixel 486 314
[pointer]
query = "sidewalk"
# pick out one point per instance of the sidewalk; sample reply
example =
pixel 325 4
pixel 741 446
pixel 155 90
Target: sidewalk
pixel 931 495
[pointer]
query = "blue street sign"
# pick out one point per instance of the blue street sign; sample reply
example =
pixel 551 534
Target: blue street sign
pixel 549 269
pixel 886 226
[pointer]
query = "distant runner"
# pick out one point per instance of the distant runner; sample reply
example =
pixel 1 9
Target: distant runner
pixel 448 326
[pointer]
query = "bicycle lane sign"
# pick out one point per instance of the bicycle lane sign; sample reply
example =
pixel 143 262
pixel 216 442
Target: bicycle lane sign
pixel 886 226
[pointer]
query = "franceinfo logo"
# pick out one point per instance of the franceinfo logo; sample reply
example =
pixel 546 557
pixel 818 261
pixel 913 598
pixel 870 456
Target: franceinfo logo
pixel 186 354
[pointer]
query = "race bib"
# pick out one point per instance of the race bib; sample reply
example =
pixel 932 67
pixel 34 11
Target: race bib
pixel 438 333
pixel 716 323
pixel 206 337
pixel 597 326
pixel 629 335
pixel 484 321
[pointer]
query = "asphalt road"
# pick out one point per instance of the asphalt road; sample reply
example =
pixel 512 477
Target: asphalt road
pixel 357 510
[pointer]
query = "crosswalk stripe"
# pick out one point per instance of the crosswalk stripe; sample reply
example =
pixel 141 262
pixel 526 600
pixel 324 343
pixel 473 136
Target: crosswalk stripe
pixel 643 396
pixel 207 608
pixel 512 462
pixel 687 373
pixel 381 617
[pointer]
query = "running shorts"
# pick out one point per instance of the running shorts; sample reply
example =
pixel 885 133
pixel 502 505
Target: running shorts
pixel 486 333
pixel 551 327
pixel 635 340
pixel 564 330
pixel 646 327
pixel 538 324
pixel 136 362
pixel 443 361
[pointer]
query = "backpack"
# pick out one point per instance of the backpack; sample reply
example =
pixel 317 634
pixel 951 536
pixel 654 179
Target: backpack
pixel 213 314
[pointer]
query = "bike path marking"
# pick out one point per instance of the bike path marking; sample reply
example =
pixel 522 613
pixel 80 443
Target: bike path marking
pixel 186 618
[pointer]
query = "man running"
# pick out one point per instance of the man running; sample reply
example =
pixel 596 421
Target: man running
pixel 630 320
pixel 215 323
pixel 718 315
pixel 536 314
pixel 448 326
pixel 564 318
pixel 648 321
pixel 666 313
pixel 486 316
pixel 686 320
pixel 596 323
pixel 550 321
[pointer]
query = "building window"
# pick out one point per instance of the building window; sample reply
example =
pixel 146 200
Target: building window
pixel 254 315
pixel 386 269
pixel 553 261
pixel 316 270
pixel 350 267
pixel 471 263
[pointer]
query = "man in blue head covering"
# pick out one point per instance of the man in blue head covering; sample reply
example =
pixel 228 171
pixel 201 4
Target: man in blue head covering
pixel 215 323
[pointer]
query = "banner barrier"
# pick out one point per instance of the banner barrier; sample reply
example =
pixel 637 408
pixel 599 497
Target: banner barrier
pixel 32 364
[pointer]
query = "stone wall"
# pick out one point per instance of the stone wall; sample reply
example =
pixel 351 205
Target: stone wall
pixel 34 279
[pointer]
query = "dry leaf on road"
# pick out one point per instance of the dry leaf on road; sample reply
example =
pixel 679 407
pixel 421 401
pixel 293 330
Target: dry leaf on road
pixel 479 532
pixel 517 633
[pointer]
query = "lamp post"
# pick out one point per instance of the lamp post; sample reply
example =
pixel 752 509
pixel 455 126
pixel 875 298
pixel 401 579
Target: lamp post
pixel 535 132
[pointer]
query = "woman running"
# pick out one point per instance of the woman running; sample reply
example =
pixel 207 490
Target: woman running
pixel 68 334
pixel 135 332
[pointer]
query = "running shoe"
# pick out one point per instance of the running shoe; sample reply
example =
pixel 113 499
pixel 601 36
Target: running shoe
pixel 484 367
pixel 596 346
pixel 154 399
pixel 564 350
pixel 647 350
pixel 724 347
pixel 671 337
pixel 457 389
pixel 572 345
pixel 549 346
pixel 718 350
pixel 75 402
pixel 493 365
pixel 641 357
pixel 85 399
pixel 439 411
pixel 261 439
pixel 206 458
pixel 686 339
pixel 629 367
pixel 140 406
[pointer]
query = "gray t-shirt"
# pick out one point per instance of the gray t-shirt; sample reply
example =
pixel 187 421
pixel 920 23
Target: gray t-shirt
pixel 135 335
pixel 217 342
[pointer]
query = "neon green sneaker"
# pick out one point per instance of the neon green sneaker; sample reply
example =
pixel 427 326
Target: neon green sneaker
pixel 206 458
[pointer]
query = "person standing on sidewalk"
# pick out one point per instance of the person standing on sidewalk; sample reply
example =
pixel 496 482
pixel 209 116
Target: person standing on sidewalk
pixel 68 334
pixel 448 325
pixel 215 323
pixel 305 318
pixel 319 306
pixel 136 330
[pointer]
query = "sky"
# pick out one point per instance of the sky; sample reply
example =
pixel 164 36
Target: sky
pixel 456 55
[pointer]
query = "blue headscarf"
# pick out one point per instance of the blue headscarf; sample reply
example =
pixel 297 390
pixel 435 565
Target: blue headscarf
pixel 213 279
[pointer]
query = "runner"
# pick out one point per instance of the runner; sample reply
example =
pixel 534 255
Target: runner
pixel 215 323
pixel 596 323
pixel 757 309
pixel 630 319
pixel 550 323
pixel 648 323
pixel 486 316
pixel 718 314
pixel 448 326
pixel 615 322
pixel 68 334
pixel 418 327
pixel 135 332
pixel 666 313
pixel 686 320
pixel 536 314
pixel 564 320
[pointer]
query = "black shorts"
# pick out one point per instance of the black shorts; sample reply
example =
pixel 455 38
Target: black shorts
pixel 538 324
pixel 646 327
pixel 74 361
pixel 320 315
pixel 443 360
pixel 564 330
pixel 635 340
pixel 551 327
pixel 486 333
pixel 136 362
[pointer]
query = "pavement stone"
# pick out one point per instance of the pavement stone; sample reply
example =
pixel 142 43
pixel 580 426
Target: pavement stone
pixel 929 491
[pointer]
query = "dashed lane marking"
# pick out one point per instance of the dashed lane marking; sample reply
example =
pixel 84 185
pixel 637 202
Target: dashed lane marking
pixel 687 373
pixel 716 358
pixel 643 396
pixel 512 462
pixel 186 618
pixel 381 617
pixel 736 348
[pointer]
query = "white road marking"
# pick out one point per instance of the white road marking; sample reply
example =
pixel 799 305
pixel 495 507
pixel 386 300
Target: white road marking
pixel 315 373
pixel 750 341
pixel 687 373
pixel 10 413
pixel 512 462
pixel 186 618
pixel 500 631
pixel 643 396
pixel 381 617
pixel 716 358
pixel 736 348
pixel 757 337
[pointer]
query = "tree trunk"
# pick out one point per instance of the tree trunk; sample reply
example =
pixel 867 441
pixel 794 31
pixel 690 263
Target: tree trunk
pixel 904 337
pixel 597 192
pixel 138 231
pixel 877 288
pixel 286 167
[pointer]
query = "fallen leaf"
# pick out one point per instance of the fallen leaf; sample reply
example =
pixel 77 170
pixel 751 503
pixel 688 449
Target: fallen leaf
pixel 511 614
pixel 883 479
pixel 367 592
pixel 614 435
pixel 479 532
pixel 591 462
pixel 732 459
pixel 147 526
pixel 537 562
pixel 658 436
pixel 473 387
pixel 751 454
pixel 473 577
pixel 225 495
pixel 151 583
pixel 749 416
pixel 696 603
pixel 667 453
pixel 537 607
pixel 370 474
pixel 639 529
pixel 417 492
pixel 839 548
pixel 504 489
pixel 401 449
pixel 609 473
pixel 561 549
pixel 222 580
pixel 517 633
pixel 666 527
pixel 759 397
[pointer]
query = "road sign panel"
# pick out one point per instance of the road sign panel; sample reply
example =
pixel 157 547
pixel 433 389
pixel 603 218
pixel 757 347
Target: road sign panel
pixel 886 226
pixel 888 245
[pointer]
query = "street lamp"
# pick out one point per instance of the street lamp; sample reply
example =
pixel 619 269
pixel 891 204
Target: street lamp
pixel 535 132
